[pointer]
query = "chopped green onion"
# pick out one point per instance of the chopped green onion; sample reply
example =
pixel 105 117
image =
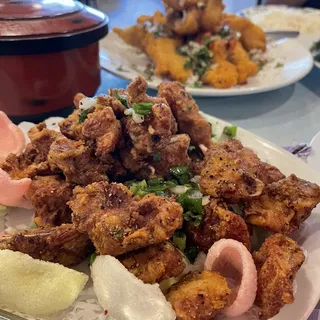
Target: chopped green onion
pixel 83 115
pixel 136 187
pixel 230 131
pixel 157 157
pixel 155 182
pixel 122 98
pixel 193 218
pixel 93 258
pixel 181 173
pixel 191 253
pixel 156 186
pixel 180 240
pixel 161 186
pixel 142 108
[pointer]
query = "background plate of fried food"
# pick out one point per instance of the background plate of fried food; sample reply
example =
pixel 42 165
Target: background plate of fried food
pixel 212 53
pixel 191 184
pixel 304 20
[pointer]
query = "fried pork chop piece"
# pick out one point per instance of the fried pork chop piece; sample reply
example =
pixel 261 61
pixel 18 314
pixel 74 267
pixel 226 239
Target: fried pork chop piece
pixel 76 161
pixel 218 223
pixel 186 112
pixel 33 161
pixel 155 263
pixel 153 134
pixel 226 176
pixel 63 244
pixel 283 205
pixel 117 224
pixel 49 196
pixel 199 296
pixel 277 262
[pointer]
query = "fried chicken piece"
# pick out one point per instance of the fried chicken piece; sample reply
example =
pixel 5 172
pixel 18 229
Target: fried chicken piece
pixel 49 196
pixel 42 138
pixel 226 176
pixel 199 296
pixel 268 173
pixel 155 263
pixel 132 35
pixel 76 161
pixel 218 223
pixel 173 155
pixel 28 164
pixel 117 224
pixel 186 112
pixel 277 262
pixel 283 205
pixel 63 244
pixel 240 58
pixel 153 134
pixel 252 36
pixel 212 15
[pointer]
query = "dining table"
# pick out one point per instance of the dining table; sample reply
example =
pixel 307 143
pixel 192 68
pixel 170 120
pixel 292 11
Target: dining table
pixel 285 116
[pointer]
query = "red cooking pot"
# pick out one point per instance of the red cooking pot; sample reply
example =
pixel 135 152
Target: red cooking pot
pixel 49 51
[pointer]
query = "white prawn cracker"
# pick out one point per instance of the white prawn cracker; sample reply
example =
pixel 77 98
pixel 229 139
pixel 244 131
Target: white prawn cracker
pixel 37 287
pixel 124 296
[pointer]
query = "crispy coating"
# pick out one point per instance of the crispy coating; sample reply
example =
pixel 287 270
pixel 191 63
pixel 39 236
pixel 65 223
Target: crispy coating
pixel 155 263
pixel 63 244
pixel 76 161
pixel 28 164
pixel 132 35
pixel 153 134
pixel 117 224
pixel 186 111
pixel 252 36
pixel 268 173
pixel 212 15
pixel 218 223
pixel 226 176
pixel 71 127
pixel 277 262
pixel 284 205
pixel 173 155
pixel 240 58
pixel 49 196
pixel 199 296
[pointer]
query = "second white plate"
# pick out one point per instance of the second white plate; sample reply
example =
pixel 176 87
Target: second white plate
pixel 127 62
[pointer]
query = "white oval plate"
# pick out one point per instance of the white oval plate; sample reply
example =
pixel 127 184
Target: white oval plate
pixel 127 62
pixel 288 18
pixel 314 158
pixel 308 277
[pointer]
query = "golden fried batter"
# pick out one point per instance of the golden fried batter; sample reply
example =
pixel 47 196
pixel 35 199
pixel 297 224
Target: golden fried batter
pixel 64 244
pixel 117 224
pixel 132 35
pixel 218 223
pixel 199 296
pixel 49 196
pixel 252 36
pixel 76 161
pixel 226 176
pixel 277 262
pixel 186 111
pixel 155 263
pixel 284 205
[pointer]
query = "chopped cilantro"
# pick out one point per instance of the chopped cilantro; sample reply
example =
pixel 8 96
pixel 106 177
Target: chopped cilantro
pixel 93 258
pixel 149 72
pixel 142 108
pixel 122 98
pixel 230 131
pixel 83 115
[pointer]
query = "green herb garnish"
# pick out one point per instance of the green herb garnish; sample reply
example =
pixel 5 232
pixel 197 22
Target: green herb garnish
pixel 157 157
pixel 122 98
pixel 149 72
pixel 279 65
pixel 157 186
pixel 230 131
pixel 191 201
pixel 181 174
pixel 142 108
pixel 120 68
pixel 180 240
pixel 119 234
pixel 93 258
pixel 197 84
pixel 83 115
pixel 191 253
pixel 224 32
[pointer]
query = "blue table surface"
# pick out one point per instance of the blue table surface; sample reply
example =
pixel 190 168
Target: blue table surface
pixel 283 116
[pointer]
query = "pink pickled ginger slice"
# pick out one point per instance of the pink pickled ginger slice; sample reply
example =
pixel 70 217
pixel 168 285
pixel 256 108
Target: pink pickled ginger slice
pixel 233 260
pixel 12 139
pixel 12 192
